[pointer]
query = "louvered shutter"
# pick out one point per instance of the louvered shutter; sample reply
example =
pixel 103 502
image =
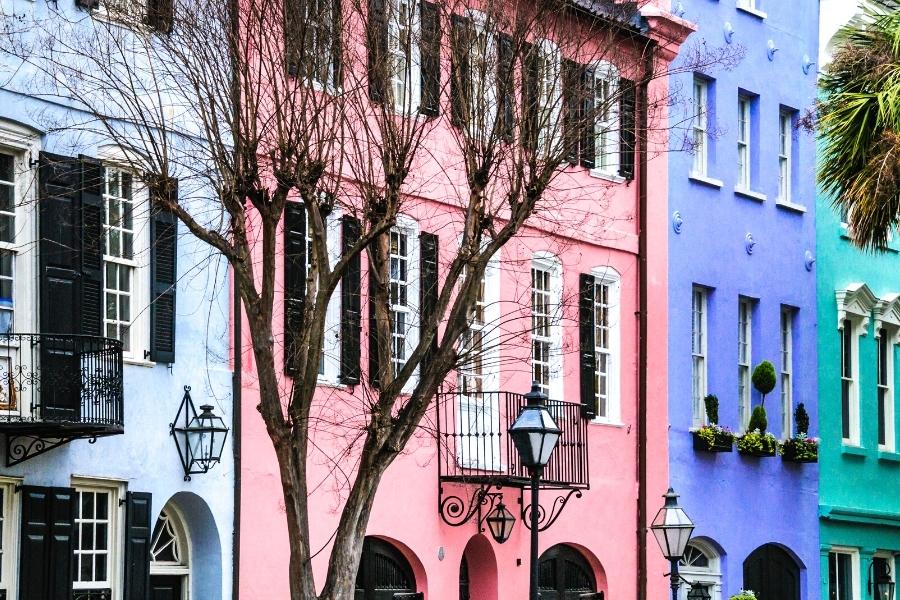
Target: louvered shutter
pixel 160 14
pixel 428 257
pixel 530 95
pixel 571 80
pixel 627 136
pixel 505 78
pixel 587 355
pixel 350 304
pixel 163 275
pixel 460 70
pixel 93 181
pixel 294 10
pixel 374 358
pixel 137 545
pixel 88 4
pixel 430 52
pixel 377 46
pixel 294 281
pixel 588 119
pixel 46 543
pixel 337 46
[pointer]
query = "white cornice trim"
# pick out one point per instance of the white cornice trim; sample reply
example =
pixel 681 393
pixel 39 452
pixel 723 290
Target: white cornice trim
pixel 855 302
pixel 887 316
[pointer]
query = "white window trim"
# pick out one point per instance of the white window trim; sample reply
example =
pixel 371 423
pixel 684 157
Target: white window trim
pixel 609 152
pixel 745 368
pixel 409 105
pixel 410 228
pixel 11 526
pixel 180 570
pixel 711 576
pixel 855 303
pixel 700 123
pixel 744 144
pixel 787 393
pixel 697 404
pixel 891 333
pixel 610 277
pixel 785 157
pixel 547 261
pixel 549 100
pixel 854 564
pixel 485 106
pixel 887 318
pixel 331 343
pixel 857 328
pixel 116 532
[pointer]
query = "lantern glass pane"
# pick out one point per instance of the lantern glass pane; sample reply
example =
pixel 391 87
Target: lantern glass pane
pixel 549 443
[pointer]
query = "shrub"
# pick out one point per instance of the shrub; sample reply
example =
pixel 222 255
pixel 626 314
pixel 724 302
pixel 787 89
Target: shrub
pixel 801 419
pixel 758 420
pixel 757 443
pixel 743 595
pixel 800 448
pixel 764 378
pixel 712 409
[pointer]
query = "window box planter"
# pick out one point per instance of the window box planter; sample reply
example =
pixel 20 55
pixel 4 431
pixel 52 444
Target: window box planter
pixel 800 449
pixel 754 443
pixel 713 438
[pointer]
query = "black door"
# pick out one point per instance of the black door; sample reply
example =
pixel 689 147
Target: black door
pixel 772 574
pixel 464 579
pixel 565 574
pixel 383 572
pixel 166 587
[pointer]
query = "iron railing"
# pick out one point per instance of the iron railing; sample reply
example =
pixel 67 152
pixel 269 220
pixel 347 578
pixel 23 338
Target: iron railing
pixel 104 594
pixel 60 382
pixel 473 445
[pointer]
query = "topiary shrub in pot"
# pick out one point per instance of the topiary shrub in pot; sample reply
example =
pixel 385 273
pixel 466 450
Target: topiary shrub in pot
pixel 801 448
pixel 756 441
pixel 764 379
pixel 712 437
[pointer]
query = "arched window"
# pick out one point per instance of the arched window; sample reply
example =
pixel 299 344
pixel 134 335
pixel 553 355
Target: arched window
pixel 170 564
pixel 383 572
pixel 565 575
pixel 701 563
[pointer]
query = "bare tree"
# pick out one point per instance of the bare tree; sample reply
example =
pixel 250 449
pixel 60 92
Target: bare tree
pixel 322 107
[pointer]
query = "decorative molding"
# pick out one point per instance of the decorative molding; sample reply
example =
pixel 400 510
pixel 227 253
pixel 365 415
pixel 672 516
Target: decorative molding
pixel 855 302
pixel 809 260
pixel 749 243
pixel 771 49
pixel 729 32
pixel 887 315
pixel 807 64
pixel 677 222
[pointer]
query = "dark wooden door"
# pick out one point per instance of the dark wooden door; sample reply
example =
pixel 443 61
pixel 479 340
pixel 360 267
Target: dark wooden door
pixel 772 574
pixel 464 580
pixel 565 574
pixel 166 587
pixel 383 572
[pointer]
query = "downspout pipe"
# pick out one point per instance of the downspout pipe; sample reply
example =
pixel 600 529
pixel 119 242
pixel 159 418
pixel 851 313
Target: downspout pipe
pixel 236 408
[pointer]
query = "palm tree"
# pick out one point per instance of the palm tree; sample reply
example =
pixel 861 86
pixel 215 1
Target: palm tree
pixel 859 121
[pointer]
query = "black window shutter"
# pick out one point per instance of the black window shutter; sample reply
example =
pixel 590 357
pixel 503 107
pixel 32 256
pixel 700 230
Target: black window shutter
pixel 294 11
pixel 294 280
pixel 377 42
pixel 430 52
pixel 337 47
pixel 46 546
pixel 137 545
pixel 460 70
pixel 530 97
pixel 428 258
pixel 163 275
pixel 505 78
pixel 627 136
pixel 374 362
pixel 588 119
pixel 571 80
pixel 88 4
pixel 587 356
pixel 160 14
pixel 92 244
pixel 350 304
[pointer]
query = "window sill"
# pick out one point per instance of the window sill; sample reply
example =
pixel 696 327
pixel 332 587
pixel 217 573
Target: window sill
pixel 758 196
pixel 888 456
pixel 331 383
pixel 753 11
pixel 704 180
pixel 600 174
pixel 614 424
pixel 788 205
pixel 138 362
pixel 853 450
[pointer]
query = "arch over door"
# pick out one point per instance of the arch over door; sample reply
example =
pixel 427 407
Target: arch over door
pixel 383 572
pixel 565 575
pixel 772 573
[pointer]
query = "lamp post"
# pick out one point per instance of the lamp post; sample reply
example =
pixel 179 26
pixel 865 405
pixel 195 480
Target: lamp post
pixel 672 529
pixel 535 435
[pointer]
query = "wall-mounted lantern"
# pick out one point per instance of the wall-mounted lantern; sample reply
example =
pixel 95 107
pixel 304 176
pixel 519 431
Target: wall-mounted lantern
pixel 200 439
pixel 500 522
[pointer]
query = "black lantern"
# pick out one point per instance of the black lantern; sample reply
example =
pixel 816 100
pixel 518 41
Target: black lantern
pixel 500 522
pixel 881 586
pixel 200 439
pixel 698 591
pixel 672 527
pixel 534 432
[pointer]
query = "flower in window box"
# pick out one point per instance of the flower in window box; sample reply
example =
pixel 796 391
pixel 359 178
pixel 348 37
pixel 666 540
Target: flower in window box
pixel 713 438
pixel 800 448
pixel 743 595
pixel 757 443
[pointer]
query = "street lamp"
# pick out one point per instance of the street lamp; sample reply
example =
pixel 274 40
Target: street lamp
pixel 500 522
pixel 535 435
pixel 200 439
pixel 698 591
pixel 672 529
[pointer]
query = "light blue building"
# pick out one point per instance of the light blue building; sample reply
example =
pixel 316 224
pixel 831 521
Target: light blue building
pixel 109 310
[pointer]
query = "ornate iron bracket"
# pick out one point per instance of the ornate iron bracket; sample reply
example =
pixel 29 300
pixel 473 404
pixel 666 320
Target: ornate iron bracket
pixel 20 448
pixel 457 510
pixel 546 518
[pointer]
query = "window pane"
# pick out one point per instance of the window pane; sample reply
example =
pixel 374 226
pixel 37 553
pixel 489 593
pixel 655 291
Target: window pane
pixel 7 164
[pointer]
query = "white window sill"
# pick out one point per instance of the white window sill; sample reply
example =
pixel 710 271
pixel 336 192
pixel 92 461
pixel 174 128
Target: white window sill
pixel 608 423
pixel 705 180
pixel 788 205
pixel 758 196
pixel 607 176
pixel 753 11
pixel 138 362
pixel 330 383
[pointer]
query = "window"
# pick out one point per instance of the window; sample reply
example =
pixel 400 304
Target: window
pixel 745 358
pixel 883 567
pixel 885 391
pixel 698 355
pixel 748 4
pixel 701 564
pixel 119 264
pixel 169 548
pixel 96 539
pixel 472 375
pixel 700 125
pixel 403 54
pixel 842 575
pixel 400 308
pixel 787 368
pixel 785 149
pixel 137 13
pixel 549 95
pixel 849 392
pixel 317 30
pixel 8 203
pixel 606 126
pixel 545 335
pixel 483 65
pixel 606 344
pixel 9 507
pixel 743 143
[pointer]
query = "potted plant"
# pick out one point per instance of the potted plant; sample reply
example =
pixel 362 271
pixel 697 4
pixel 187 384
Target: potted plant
pixel 743 595
pixel 756 441
pixel 801 448
pixel 712 437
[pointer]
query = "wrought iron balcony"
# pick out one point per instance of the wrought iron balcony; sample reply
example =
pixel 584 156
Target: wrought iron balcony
pixel 473 445
pixel 56 388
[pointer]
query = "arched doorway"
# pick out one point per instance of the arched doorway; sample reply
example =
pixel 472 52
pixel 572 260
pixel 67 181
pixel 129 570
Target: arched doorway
pixel 566 575
pixel 772 573
pixel 701 564
pixel 383 572
pixel 464 591
pixel 170 560
pixel 478 570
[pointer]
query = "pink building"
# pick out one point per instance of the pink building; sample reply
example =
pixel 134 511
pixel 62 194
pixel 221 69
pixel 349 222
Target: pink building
pixel 586 273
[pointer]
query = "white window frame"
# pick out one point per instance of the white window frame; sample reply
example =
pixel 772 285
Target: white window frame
pixel 606 125
pixel 331 347
pixel 483 103
pixel 787 371
pixel 699 353
pixel 116 533
pixel 853 553
pixel 609 277
pixel 888 337
pixel 700 124
pixel 745 360
pixel 747 4
pixel 182 569
pixel 853 380
pixel 710 576
pixel 322 50
pixel 549 95
pixel 408 227
pixel 744 142
pixel 9 531
pixel 545 261
pixel 409 101
pixel 785 157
